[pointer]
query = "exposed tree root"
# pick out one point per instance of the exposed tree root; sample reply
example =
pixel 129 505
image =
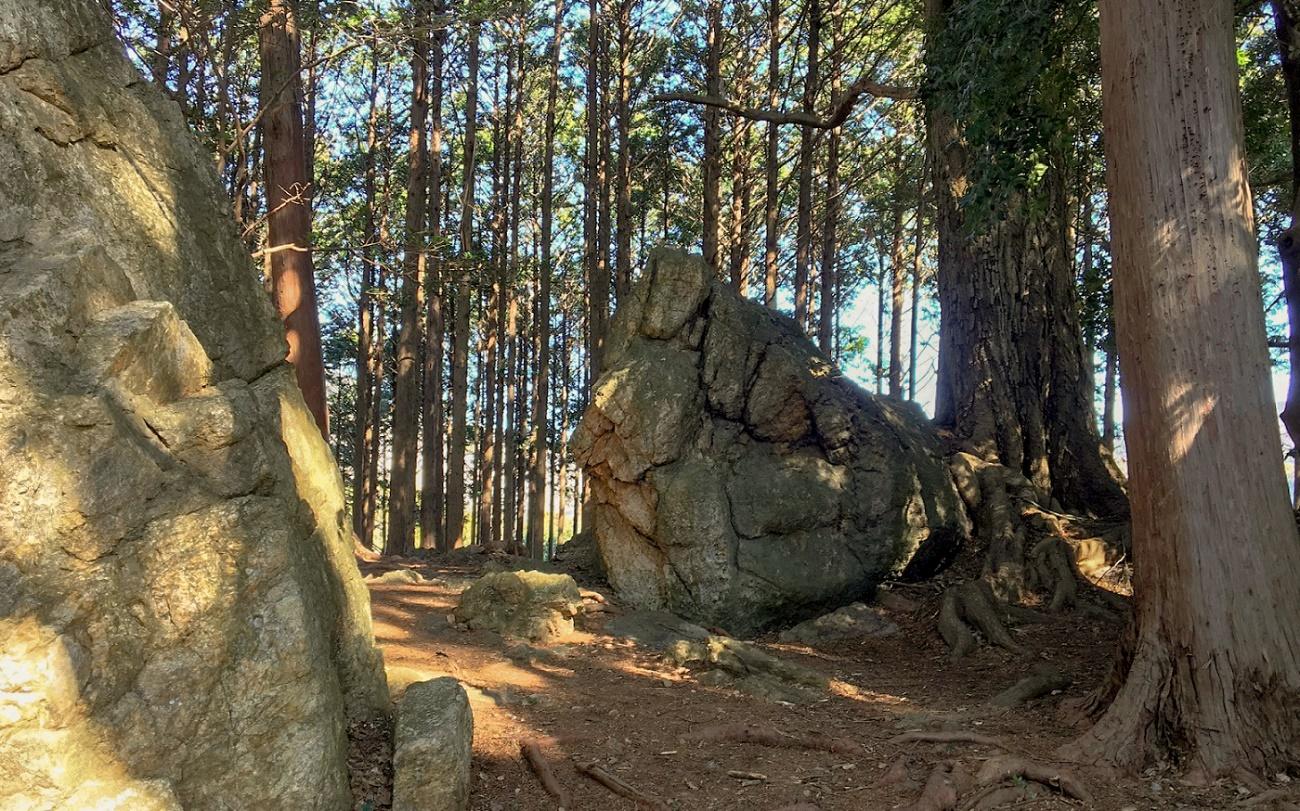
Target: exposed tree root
pixel 621 788
pixel 921 736
pixel 1029 550
pixel 972 604
pixel 996 796
pixel 1002 768
pixel 946 783
pixel 1042 679
pixel 1287 797
pixel 770 736
pixel 894 775
pixel 545 774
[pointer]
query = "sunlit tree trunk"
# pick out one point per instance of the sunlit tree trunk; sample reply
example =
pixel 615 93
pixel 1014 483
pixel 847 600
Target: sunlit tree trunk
pixel 807 154
pixel 368 367
pixel 461 308
pixel 293 277
pixel 406 377
pixel 432 484
pixel 1215 674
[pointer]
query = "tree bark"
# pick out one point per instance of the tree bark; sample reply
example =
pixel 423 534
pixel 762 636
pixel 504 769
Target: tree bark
pixel 1012 384
pixel 1215 674
pixel 368 366
pixel 807 154
pixel 623 165
pixel 293 276
pixel 597 275
pixel 542 332
pixel 432 484
pixel 712 169
pixel 830 225
pixel 896 306
pixel 406 377
pixel 461 308
pixel 772 202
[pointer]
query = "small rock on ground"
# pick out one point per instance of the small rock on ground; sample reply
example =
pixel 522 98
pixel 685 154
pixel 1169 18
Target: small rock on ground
pixel 432 747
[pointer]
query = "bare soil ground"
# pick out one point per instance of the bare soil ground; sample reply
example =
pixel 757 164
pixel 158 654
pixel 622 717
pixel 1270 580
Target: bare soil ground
pixel 592 697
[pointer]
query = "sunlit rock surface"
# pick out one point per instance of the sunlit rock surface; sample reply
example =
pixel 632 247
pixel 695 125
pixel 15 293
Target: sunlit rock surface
pixel 181 620
pixel 739 480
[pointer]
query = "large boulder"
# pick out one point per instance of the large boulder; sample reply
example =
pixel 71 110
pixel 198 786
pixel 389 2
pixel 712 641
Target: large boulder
pixel 739 479
pixel 182 618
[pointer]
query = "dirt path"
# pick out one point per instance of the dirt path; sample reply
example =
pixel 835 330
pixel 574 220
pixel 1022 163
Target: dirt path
pixel 597 698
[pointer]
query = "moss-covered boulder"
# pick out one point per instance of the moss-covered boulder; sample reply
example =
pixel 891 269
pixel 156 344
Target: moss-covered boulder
pixel 537 606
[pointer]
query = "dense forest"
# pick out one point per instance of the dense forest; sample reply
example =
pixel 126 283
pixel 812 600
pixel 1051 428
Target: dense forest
pixel 720 349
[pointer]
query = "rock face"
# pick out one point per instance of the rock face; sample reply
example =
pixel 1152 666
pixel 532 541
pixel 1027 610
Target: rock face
pixel 530 605
pixel 739 480
pixel 853 621
pixel 432 747
pixel 182 619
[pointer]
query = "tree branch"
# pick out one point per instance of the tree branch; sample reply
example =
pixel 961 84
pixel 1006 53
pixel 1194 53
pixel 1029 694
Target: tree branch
pixel 840 109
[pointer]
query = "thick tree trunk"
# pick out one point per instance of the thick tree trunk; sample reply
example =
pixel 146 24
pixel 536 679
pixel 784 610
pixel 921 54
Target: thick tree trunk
pixel 293 276
pixel 896 305
pixel 432 532
pixel 1012 384
pixel 406 377
pixel 1215 675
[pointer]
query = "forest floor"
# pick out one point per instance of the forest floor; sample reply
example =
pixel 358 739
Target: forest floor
pixel 594 697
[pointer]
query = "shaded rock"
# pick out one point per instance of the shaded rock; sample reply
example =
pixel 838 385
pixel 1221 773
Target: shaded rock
pixel 655 629
pixel 720 661
pixel 739 479
pixel 854 621
pixel 184 624
pixel 432 746
pixel 532 605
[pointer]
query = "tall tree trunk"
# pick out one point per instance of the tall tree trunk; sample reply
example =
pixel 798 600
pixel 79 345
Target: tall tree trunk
pixel 461 308
pixel 623 166
pixel 830 225
pixel 1215 674
pixel 293 276
pixel 368 367
pixel 597 275
pixel 772 201
pixel 542 332
pixel 896 306
pixel 432 532
pixel 918 253
pixel 741 191
pixel 807 154
pixel 1286 14
pixel 406 377
pixel 1012 385
pixel 712 169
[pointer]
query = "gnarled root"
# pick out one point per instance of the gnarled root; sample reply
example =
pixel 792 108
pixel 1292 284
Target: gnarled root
pixel 945 785
pixel 972 604
pixel 998 769
pixel 770 736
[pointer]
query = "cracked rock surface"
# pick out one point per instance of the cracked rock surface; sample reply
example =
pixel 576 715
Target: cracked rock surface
pixel 182 619
pixel 739 480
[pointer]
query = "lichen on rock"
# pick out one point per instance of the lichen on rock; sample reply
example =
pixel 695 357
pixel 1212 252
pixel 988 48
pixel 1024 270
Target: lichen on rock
pixel 739 479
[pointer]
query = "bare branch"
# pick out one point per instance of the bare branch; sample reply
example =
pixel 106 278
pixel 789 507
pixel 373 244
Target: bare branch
pixel 840 109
